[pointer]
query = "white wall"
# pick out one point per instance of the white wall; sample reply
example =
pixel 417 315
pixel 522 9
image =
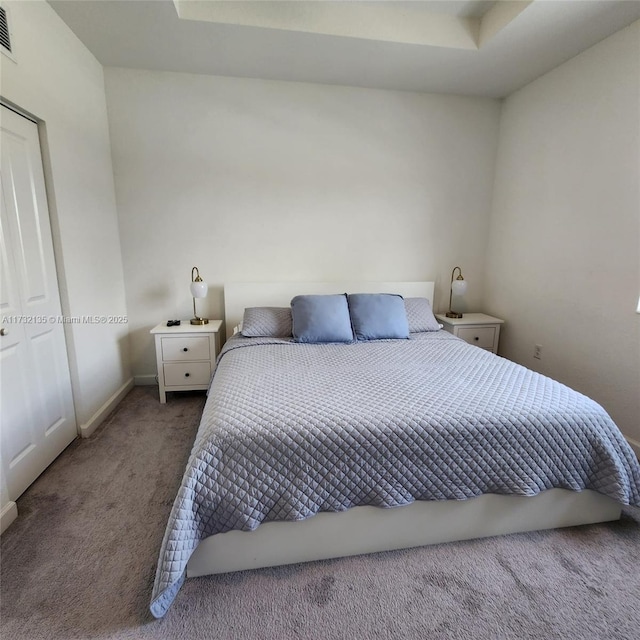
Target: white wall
pixel 57 80
pixel 261 180
pixel 563 263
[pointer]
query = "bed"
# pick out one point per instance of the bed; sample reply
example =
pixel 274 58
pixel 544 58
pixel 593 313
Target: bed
pixel 312 451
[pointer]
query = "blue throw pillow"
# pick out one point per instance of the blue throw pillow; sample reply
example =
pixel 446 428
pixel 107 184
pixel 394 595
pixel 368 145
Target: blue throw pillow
pixel 321 319
pixel 378 316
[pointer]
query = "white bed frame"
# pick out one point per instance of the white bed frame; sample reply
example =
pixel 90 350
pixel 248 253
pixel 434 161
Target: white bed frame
pixel 371 529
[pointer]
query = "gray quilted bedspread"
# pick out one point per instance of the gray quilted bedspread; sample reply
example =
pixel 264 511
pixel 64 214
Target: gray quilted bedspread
pixel 290 430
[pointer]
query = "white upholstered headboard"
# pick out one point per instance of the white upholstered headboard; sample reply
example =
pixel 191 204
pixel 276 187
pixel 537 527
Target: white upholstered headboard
pixel 239 295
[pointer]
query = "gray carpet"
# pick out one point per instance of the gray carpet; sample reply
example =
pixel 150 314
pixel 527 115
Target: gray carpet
pixel 80 560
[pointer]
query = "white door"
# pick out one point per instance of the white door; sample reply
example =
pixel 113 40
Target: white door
pixel 36 407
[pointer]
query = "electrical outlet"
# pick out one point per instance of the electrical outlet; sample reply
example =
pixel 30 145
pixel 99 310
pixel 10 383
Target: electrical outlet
pixel 537 351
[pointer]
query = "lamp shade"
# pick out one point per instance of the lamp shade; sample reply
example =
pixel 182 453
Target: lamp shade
pixel 459 287
pixel 199 289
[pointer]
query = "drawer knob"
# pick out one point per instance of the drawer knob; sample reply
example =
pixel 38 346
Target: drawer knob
pixel 476 338
pixel 186 375
pixel 185 349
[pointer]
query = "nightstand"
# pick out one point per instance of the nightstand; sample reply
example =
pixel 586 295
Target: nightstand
pixel 478 329
pixel 186 355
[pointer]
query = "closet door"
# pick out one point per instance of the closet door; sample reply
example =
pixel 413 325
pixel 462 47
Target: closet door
pixel 36 407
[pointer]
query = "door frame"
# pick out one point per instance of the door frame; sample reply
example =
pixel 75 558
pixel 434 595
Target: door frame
pixel 57 244
pixel 9 510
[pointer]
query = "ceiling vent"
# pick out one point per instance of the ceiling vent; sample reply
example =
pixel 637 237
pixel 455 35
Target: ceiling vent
pixel 5 33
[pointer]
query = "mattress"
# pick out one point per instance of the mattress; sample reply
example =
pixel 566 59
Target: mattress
pixel 290 430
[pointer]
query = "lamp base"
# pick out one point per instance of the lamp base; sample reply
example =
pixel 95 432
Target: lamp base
pixel 199 321
pixel 453 314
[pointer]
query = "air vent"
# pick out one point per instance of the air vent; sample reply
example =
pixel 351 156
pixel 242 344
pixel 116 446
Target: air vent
pixel 5 37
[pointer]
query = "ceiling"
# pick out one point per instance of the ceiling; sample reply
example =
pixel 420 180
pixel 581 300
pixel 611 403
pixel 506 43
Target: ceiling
pixel 472 47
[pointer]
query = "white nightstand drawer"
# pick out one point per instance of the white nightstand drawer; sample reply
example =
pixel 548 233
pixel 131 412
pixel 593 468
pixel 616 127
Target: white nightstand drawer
pixel 184 374
pixel 482 337
pixel 474 328
pixel 191 348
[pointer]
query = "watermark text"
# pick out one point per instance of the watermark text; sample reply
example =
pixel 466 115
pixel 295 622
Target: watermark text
pixel 53 319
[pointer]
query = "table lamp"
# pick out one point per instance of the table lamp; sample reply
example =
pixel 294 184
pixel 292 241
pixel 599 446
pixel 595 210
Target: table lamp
pixel 458 286
pixel 198 290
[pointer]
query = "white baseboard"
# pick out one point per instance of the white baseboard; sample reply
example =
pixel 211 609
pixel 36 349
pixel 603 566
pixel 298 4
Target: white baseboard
pixel 635 445
pixel 7 515
pixel 146 380
pixel 98 417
